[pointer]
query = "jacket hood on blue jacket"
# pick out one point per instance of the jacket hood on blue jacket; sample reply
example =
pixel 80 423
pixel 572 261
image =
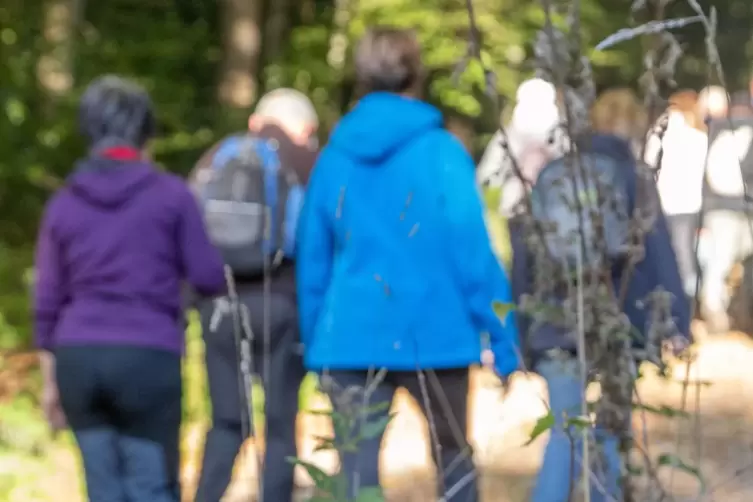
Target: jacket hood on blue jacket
pixel 381 124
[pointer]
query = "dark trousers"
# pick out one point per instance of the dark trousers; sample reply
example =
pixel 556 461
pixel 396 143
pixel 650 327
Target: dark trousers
pixel 124 406
pixel 445 391
pixel 683 229
pixel 281 369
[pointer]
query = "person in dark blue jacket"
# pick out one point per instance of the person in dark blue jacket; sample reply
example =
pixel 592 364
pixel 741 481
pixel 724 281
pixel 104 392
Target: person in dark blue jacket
pixel 545 344
pixel 395 269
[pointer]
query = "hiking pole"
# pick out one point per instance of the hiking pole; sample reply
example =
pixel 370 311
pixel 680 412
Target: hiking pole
pixel 242 344
pixel 244 336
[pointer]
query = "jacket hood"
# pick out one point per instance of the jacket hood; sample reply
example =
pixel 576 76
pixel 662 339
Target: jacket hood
pixel 109 183
pixel 381 124
pixel 611 145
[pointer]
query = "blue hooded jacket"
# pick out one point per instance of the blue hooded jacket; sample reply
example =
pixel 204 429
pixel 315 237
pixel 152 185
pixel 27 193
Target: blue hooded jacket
pixel 394 264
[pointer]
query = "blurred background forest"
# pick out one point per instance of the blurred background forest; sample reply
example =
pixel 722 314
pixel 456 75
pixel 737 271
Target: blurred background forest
pixel 205 63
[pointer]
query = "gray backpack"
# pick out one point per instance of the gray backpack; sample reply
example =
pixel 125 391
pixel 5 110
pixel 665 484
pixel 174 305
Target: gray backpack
pixel 251 204
pixel 566 196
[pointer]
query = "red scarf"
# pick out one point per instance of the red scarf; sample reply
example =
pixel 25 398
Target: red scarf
pixel 123 153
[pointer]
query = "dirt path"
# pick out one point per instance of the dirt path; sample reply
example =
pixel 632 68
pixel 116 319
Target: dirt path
pixel 501 427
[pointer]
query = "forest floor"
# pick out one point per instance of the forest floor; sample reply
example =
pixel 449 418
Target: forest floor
pixel 500 428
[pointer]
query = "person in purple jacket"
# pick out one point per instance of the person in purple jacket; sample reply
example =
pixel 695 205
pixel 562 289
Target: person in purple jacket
pixel 114 246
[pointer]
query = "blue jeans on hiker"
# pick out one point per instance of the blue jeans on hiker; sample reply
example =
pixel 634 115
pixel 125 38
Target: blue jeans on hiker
pixel 447 393
pixel 124 406
pixel 566 394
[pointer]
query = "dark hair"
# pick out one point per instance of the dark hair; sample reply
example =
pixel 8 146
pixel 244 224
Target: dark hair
pixel 389 59
pixel 116 110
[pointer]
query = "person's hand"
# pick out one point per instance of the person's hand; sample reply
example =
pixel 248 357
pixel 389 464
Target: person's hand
pixel 53 411
pixel 678 346
pixel 487 359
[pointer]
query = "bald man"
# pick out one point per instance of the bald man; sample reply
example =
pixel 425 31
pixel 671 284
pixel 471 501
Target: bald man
pixel 287 121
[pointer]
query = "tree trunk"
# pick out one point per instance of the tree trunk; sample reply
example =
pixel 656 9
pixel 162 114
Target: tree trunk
pixel 55 66
pixel 275 29
pixel 337 57
pixel 238 82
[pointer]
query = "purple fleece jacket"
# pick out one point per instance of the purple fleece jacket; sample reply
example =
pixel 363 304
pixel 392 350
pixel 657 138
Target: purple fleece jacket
pixel 114 246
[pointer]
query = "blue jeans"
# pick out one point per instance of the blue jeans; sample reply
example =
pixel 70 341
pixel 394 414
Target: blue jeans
pixel 124 406
pixel 566 393
pixel 448 402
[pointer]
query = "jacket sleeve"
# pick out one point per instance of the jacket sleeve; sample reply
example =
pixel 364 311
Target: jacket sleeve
pixel 659 250
pixel 201 262
pixel 51 291
pixel 482 277
pixel 314 251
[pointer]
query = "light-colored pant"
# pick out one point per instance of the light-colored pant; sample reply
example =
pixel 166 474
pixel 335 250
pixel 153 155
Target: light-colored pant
pixel 728 236
pixel 566 393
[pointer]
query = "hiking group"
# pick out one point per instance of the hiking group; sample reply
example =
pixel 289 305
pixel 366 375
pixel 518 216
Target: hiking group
pixel 368 263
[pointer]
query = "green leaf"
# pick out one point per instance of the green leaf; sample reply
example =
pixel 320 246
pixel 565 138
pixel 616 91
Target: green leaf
pixel 370 494
pixel 377 407
pixel 341 424
pixel 502 309
pixel 375 428
pixel 675 462
pixel 322 480
pixel 578 423
pixel 635 470
pixel 543 424
pixel 663 410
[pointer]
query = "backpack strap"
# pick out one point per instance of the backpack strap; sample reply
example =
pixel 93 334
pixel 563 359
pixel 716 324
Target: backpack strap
pixel 228 150
pixel 293 207
pixel 270 163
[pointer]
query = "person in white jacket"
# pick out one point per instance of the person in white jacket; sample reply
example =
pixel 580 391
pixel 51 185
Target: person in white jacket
pixel 680 156
pixel 726 221
pixel 534 131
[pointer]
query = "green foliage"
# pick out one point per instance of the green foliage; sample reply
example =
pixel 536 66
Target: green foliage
pixel 442 27
pixel 578 424
pixel 675 462
pixel 25 451
pixel 543 424
pixel 350 428
pixel 663 410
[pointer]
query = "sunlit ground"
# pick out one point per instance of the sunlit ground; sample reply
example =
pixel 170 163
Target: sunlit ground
pixel 34 470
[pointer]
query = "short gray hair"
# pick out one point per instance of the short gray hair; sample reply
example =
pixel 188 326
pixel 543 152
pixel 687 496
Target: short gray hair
pixel 284 104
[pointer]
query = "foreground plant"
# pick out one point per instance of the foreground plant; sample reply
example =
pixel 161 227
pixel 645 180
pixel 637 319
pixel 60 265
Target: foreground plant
pixel 351 425
pixel 591 307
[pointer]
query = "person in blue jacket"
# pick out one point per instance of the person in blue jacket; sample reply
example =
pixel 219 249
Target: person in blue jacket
pixel 396 276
